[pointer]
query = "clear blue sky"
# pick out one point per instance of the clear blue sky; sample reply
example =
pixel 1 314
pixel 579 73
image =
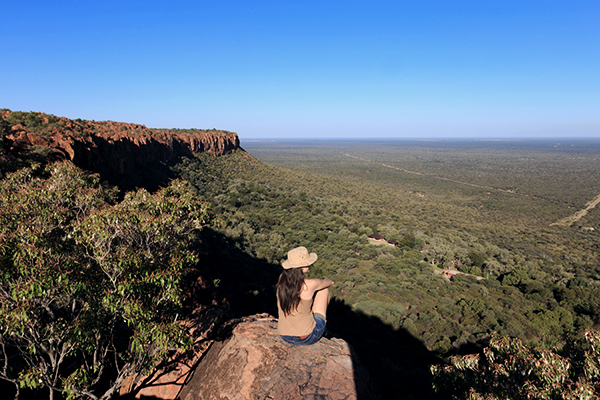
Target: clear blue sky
pixel 310 69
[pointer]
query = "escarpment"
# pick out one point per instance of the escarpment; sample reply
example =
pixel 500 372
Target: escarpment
pixel 120 152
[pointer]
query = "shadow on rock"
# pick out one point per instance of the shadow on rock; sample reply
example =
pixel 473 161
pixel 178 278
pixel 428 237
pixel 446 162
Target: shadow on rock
pixel 127 164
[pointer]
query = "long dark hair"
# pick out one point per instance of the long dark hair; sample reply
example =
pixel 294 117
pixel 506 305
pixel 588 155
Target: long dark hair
pixel 289 287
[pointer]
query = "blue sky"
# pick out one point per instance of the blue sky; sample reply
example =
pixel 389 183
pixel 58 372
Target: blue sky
pixel 310 69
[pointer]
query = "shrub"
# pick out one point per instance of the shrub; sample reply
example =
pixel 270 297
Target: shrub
pixel 89 290
pixel 509 369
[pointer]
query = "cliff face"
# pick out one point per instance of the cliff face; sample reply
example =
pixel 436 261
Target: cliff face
pixel 113 149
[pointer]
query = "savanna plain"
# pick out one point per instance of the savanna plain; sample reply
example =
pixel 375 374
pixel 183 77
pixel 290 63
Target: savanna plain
pixel 492 239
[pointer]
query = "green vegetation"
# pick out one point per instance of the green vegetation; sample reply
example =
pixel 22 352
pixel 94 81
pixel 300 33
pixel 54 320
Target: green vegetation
pixel 541 283
pixel 75 259
pixel 90 289
pixel 507 369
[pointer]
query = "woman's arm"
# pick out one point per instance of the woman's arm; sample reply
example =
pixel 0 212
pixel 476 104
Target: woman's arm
pixel 314 285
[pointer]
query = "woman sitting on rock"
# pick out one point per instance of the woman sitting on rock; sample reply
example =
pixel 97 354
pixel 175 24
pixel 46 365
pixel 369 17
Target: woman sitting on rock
pixel 302 303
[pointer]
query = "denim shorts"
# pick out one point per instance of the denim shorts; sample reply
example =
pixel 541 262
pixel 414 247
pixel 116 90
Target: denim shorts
pixel 314 336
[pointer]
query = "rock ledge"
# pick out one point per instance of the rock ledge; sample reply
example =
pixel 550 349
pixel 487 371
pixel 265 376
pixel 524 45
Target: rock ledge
pixel 254 363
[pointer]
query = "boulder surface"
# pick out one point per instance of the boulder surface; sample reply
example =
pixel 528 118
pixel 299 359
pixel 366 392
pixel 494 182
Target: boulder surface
pixel 252 362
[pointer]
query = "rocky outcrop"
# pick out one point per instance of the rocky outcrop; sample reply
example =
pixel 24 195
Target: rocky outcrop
pixel 113 149
pixel 254 363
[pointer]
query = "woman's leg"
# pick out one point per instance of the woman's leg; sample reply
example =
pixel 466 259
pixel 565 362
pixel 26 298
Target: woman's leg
pixel 320 302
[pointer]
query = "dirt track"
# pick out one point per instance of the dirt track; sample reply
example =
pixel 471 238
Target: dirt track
pixel 568 221
pixel 565 222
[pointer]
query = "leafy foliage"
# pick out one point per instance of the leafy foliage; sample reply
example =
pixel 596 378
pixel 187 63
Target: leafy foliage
pixel 90 287
pixel 507 369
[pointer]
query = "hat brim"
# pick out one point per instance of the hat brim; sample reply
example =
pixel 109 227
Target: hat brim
pixel 312 257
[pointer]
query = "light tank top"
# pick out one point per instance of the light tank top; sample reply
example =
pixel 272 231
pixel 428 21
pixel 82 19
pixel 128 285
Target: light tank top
pixel 300 322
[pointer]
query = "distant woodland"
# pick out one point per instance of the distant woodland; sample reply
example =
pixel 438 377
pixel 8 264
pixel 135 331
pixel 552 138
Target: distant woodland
pixel 482 208
pixel 485 209
pixel 470 259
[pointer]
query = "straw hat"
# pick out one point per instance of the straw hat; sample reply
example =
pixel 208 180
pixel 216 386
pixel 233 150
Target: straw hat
pixel 299 257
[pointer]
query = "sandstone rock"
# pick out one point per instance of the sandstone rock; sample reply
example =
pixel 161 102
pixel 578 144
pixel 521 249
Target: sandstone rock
pixel 116 149
pixel 254 363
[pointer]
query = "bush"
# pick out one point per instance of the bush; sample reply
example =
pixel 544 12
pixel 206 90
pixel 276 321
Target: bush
pixel 509 369
pixel 89 290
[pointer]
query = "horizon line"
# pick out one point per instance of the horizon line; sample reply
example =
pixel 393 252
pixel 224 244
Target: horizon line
pixel 432 138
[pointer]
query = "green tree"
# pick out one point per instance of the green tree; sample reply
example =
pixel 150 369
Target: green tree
pixel 89 290
pixel 507 369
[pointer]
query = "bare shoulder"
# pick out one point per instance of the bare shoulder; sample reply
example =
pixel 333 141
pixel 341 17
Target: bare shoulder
pixel 312 283
pixel 317 284
pixel 309 288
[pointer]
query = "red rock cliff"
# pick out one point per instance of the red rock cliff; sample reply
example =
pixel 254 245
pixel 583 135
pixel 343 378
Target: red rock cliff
pixel 106 146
